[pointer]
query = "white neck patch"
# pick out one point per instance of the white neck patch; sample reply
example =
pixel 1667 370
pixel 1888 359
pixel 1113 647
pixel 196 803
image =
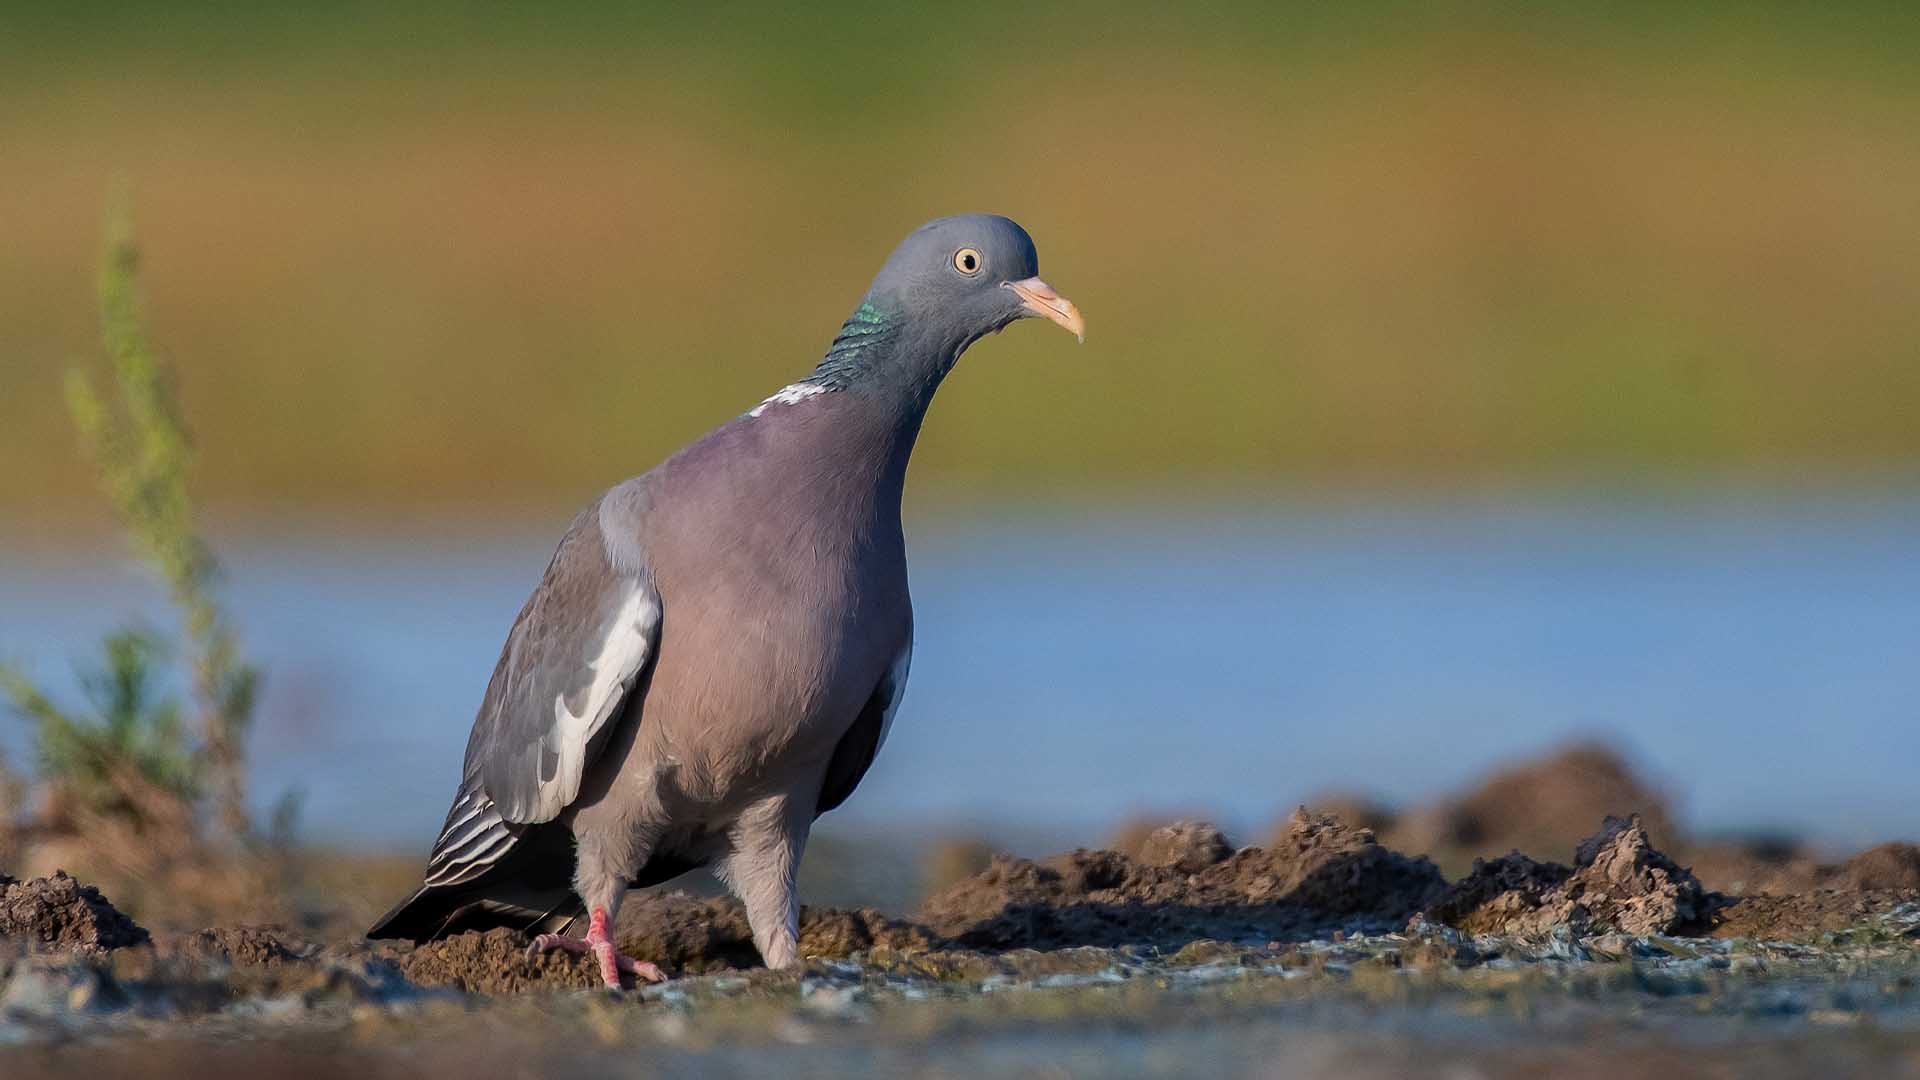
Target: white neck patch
pixel 791 394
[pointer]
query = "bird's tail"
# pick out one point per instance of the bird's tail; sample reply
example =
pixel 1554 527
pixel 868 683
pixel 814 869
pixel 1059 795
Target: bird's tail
pixel 413 919
pixel 435 912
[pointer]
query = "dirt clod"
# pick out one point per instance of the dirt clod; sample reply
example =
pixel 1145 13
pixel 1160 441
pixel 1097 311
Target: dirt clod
pixel 1777 865
pixel 695 935
pixel 496 962
pixel 61 914
pixel 1623 883
pixel 1619 882
pixel 1540 807
pixel 1357 809
pixel 683 934
pixel 1888 866
pixel 1185 894
pixel 1186 846
pixel 1339 870
pixel 1805 916
pixel 1499 893
pixel 1320 875
pixel 251 946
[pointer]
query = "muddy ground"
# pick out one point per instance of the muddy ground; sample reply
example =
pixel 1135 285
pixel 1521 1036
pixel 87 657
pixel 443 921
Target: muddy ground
pixel 1320 952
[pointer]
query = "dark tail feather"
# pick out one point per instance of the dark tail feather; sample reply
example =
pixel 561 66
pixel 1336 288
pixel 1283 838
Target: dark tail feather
pixel 433 912
pixel 528 891
pixel 414 919
pixel 529 888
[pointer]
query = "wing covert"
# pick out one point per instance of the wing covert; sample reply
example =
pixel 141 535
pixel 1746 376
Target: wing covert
pixel 578 648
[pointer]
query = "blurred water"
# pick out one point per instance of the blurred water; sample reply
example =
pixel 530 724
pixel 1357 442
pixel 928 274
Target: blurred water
pixel 1758 655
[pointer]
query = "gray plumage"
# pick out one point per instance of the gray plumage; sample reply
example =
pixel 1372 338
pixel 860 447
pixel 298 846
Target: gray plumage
pixel 717 649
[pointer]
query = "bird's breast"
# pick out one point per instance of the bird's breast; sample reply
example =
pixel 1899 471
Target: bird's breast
pixel 755 687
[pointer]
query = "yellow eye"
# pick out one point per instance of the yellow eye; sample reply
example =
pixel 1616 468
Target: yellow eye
pixel 967 261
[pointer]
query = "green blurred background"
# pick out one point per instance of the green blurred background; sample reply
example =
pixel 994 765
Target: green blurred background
pixel 414 257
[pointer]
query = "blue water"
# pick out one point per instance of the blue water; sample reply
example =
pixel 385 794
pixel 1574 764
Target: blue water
pixel 1757 655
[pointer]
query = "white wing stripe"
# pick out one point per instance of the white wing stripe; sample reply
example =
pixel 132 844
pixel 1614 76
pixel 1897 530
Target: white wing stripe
pixel 622 655
pixel 477 806
pixel 451 843
pixel 452 872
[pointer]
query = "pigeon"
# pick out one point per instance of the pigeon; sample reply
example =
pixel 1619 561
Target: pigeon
pixel 718 647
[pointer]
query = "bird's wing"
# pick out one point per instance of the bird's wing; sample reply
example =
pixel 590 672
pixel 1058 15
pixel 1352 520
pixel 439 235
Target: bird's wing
pixel 861 744
pixel 579 647
pixel 580 644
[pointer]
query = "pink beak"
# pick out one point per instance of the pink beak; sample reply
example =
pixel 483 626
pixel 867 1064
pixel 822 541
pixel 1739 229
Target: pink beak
pixel 1038 298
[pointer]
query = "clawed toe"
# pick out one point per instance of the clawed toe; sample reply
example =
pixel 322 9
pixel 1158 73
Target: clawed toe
pixel 640 969
pixel 546 943
pixel 611 963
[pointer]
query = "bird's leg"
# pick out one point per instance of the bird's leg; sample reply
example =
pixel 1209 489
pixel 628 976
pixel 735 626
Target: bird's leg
pixel 599 942
pixel 600 877
pixel 767 841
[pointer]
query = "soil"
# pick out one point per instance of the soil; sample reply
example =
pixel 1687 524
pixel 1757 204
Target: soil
pixel 1319 876
pixel 59 913
pixel 245 946
pixel 1318 879
pixel 1889 866
pixel 1754 867
pixel 1186 846
pixel 682 934
pixel 1325 925
pixel 1541 808
pixel 1619 883
pixel 1544 807
pixel 1807 916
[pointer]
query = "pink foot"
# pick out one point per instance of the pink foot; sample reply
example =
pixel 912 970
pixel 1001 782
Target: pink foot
pixel 600 944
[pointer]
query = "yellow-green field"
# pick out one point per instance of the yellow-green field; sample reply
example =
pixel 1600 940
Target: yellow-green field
pixel 445 256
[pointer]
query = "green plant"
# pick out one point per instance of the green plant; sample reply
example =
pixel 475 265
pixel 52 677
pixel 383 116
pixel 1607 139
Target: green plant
pixel 133 757
pixel 130 758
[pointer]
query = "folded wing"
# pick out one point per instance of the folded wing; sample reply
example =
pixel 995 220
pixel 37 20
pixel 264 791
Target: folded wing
pixel 576 653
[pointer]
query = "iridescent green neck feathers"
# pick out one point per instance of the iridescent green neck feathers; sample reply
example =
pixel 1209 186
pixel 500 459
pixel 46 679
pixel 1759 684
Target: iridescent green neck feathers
pixel 861 345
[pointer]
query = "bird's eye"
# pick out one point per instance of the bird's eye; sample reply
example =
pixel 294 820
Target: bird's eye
pixel 967 261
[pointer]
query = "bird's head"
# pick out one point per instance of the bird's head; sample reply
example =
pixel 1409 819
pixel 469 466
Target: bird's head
pixel 948 284
pixel 959 278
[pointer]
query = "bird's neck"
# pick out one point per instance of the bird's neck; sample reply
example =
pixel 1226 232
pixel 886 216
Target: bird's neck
pixel 880 375
pixel 883 358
